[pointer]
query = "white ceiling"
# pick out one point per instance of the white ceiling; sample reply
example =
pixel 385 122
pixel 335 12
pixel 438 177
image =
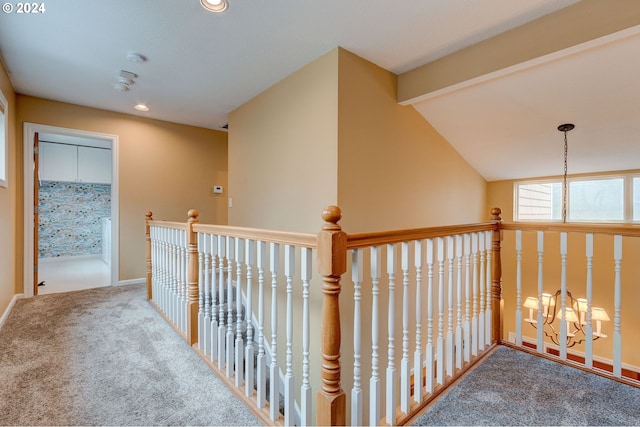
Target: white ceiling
pixel 201 66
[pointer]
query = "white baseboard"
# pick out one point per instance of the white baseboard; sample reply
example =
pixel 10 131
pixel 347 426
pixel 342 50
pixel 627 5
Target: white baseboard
pixel 9 307
pixel 131 281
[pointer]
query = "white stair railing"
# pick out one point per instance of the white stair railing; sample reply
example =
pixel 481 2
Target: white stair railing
pixel 169 272
pixel 448 310
pixel 567 320
pixel 252 338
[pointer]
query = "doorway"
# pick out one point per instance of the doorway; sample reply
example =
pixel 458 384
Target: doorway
pixel 55 257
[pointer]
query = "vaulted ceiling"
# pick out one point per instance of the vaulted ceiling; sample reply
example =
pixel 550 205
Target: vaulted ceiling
pixel 200 66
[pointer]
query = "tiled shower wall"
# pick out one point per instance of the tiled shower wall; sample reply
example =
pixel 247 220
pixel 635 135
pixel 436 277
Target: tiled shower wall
pixel 70 222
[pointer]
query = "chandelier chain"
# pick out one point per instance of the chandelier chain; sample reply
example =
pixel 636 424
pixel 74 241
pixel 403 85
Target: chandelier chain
pixel 564 180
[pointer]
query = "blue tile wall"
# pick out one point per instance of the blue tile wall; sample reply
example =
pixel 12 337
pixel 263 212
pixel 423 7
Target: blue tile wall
pixel 70 222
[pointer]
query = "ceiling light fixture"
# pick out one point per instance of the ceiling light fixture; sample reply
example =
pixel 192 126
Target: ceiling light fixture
pixel 565 128
pixel 216 6
pixel 578 313
pixel 141 107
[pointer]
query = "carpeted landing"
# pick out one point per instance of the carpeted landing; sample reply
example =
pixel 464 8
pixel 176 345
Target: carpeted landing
pixel 511 387
pixel 105 357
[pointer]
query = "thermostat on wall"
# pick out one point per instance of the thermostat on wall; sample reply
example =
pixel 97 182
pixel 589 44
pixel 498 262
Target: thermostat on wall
pixel 217 189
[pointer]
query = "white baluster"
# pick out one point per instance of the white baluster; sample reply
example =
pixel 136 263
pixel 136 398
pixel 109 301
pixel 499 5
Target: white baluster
pixel 391 369
pixel 215 297
pixel 450 342
pixel 229 342
pixel 540 321
pixel 175 305
pixel 168 274
pixel 356 393
pixel 482 340
pixel 176 280
pixel 374 382
pixel 222 356
pixel 519 287
pixel 239 344
pixel 170 303
pixel 262 360
pixel 488 323
pixel 467 298
pixel 184 286
pixel 440 341
pixel 181 300
pixel 458 350
pixel 306 402
pixel 475 341
pixel 588 343
pixel 289 388
pixel 405 369
pixel 274 371
pixel 206 269
pixel 201 270
pixel 617 298
pixel 563 296
pixel 418 370
pixel 429 374
pixel 249 257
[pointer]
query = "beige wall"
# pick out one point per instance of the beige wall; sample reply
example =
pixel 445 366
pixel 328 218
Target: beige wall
pixel 394 169
pixel 501 194
pixel 9 267
pixel 283 151
pixel 164 167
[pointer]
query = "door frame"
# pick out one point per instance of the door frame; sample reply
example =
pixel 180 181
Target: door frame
pixel 29 131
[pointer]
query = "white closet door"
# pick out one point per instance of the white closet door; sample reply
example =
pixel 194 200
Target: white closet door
pixel 58 162
pixel 94 165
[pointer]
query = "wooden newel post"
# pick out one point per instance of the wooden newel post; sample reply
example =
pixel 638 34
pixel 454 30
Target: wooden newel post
pixel 192 278
pixel 148 219
pixel 332 263
pixel 496 277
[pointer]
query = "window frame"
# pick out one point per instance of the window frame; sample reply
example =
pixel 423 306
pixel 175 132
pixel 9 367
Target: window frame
pixel 4 142
pixel 628 182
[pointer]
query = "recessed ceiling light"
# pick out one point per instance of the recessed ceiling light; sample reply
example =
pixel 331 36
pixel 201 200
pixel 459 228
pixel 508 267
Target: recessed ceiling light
pixel 141 107
pixel 215 5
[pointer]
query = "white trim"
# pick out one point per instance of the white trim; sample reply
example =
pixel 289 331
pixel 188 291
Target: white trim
pixel 131 282
pixel 512 339
pixel 5 315
pixel 29 131
pixel 627 179
pixel 69 258
pixel 4 180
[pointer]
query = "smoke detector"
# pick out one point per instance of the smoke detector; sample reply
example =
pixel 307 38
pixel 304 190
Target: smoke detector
pixel 136 58
pixel 127 75
pixel 121 86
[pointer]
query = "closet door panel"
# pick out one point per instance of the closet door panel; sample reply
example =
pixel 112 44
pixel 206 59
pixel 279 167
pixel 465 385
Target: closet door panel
pixel 58 162
pixel 94 165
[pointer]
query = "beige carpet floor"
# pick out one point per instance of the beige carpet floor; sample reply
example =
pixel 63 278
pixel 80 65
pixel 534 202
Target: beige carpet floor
pixel 105 357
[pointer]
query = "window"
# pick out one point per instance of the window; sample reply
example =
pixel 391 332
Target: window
pixel 636 198
pixel 596 200
pixel 593 199
pixel 4 141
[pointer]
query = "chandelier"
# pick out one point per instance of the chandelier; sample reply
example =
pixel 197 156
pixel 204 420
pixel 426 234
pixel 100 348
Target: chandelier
pixel 576 314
